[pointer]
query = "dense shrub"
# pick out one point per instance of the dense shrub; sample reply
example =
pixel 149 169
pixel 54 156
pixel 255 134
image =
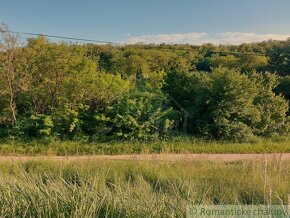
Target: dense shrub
pixel 139 115
pixel 38 125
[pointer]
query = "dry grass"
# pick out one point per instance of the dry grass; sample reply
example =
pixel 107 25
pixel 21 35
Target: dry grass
pixel 155 157
pixel 117 188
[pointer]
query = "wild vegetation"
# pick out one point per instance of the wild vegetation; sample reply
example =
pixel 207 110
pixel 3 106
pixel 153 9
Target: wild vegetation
pixel 173 145
pixel 142 92
pixel 136 189
pixel 61 98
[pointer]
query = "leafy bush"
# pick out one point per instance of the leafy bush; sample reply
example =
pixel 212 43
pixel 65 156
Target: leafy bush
pixel 74 121
pixel 37 125
pixel 66 122
pixel 139 115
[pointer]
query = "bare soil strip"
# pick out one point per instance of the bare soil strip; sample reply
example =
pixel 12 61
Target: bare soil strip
pixel 156 157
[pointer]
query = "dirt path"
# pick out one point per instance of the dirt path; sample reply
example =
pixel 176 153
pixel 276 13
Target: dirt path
pixel 153 157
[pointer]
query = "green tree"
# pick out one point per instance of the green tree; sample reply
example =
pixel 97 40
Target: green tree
pixel 56 75
pixel 252 62
pixel 231 105
pixel 283 88
pixel 10 77
pixel 279 56
pixel 229 61
pixel 272 107
pixel 180 86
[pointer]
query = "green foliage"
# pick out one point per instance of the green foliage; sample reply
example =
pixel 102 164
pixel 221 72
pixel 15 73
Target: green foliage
pixel 253 62
pixel 57 89
pixel 272 108
pixel 180 86
pixel 38 125
pixel 139 115
pixel 204 65
pixel 234 106
pixel 280 58
pixel 108 88
pixel 229 61
pixel 224 105
pixel 178 144
pixel 67 122
pixel 283 88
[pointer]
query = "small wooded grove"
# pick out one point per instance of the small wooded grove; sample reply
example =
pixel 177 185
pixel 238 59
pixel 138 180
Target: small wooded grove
pixel 141 91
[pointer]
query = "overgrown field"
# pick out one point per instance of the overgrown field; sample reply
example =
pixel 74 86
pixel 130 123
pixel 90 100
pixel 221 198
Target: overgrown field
pixel 135 188
pixel 280 144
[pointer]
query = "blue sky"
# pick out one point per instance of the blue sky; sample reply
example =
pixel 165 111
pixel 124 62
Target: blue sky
pixel 169 21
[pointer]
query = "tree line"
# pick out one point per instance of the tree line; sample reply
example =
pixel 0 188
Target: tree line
pixel 143 92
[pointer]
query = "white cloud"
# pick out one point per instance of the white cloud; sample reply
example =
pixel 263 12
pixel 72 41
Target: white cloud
pixel 239 37
pixel 178 38
pixel 201 38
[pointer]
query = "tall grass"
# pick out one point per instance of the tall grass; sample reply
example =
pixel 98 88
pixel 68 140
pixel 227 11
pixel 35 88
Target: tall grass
pixel 174 145
pixel 136 188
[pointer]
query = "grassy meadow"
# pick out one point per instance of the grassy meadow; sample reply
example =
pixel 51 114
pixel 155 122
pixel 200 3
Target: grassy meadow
pixel 177 145
pixel 95 188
